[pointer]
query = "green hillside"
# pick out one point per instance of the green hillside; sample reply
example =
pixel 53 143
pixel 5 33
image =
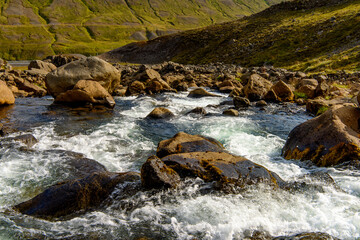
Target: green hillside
pixel 302 35
pixel 37 28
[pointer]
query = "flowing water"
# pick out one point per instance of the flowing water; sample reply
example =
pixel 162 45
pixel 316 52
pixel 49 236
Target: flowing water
pixel 122 141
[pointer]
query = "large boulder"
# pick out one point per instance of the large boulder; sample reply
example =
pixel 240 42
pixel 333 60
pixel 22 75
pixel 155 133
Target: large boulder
pixel 65 77
pixel 222 168
pixel 185 143
pixel 256 87
pixel 155 174
pixel 6 95
pixel 327 140
pixel 45 66
pixel 283 91
pixel 75 195
pixel 84 92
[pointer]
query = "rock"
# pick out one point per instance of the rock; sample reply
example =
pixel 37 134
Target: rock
pixel 283 91
pixel 271 96
pixel 241 102
pixel 182 87
pixel 231 112
pixel 62 59
pixel 261 103
pixel 154 87
pixel 319 105
pixel 92 68
pixel 221 167
pixel 200 92
pixel 308 90
pixel 256 87
pixel 185 143
pixel 28 139
pixel 135 88
pixel 198 110
pixel 236 92
pixel 226 89
pixel 322 89
pixel 160 113
pixel 85 92
pixel 327 140
pixel 307 236
pixel 309 82
pixel 155 174
pixel 32 88
pixel 45 66
pixel 300 75
pixel 146 74
pixel 6 95
pixel 75 195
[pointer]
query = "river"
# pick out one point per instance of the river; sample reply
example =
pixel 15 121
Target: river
pixel 122 141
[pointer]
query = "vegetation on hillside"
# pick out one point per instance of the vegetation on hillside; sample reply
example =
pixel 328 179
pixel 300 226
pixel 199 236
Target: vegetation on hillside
pixel 37 28
pixel 304 35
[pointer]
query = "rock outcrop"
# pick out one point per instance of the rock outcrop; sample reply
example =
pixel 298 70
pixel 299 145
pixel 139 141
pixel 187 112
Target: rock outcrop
pixel 65 77
pixel 327 140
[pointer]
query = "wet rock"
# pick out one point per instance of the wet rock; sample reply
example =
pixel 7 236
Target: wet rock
pixel 261 103
pixel 182 87
pixel 6 95
pixel 198 111
pixel 221 167
pixel 271 96
pixel 200 92
pixel 155 174
pixel 231 112
pixel 227 89
pixel 241 102
pixel 185 143
pixel 72 196
pixel 307 236
pixel 327 140
pixel 256 87
pixel 45 66
pixel 28 139
pixel 92 68
pixel 160 113
pixel 236 92
pixel 85 92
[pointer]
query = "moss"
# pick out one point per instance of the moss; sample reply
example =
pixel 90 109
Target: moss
pixel 321 110
pixel 300 95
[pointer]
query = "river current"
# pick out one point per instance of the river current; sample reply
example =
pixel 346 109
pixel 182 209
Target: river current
pixel 122 140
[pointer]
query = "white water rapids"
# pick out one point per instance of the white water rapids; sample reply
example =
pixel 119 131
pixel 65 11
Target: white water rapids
pixel 123 140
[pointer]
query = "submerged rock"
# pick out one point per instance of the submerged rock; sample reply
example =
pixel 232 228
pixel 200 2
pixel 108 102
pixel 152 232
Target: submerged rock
pixel 185 143
pixel 65 77
pixel 327 140
pixel 72 196
pixel 160 113
pixel 200 92
pixel 28 139
pixel 231 112
pixel 155 174
pixel 198 111
pixel 307 236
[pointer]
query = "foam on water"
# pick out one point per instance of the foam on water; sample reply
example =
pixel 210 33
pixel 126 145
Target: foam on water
pixel 124 141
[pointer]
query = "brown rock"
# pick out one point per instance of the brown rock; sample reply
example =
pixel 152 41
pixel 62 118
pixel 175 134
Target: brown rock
pixel 84 92
pixel 327 140
pixel 236 92
pixel 241 102
pixel 160 113
pixel 135 88
pixel 71 196
pixel 92 68
pixel 200 92
pixel 283 91
pixel 6 95
pixel 231 112
pixel 32 88
pixel 198 110
pixel 185 143
pixel 45 66
pixel 271 96
pixel 308 90
pixel 256 87
pixel 155 174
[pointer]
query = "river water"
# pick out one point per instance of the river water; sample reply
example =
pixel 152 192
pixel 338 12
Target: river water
pixel 122 141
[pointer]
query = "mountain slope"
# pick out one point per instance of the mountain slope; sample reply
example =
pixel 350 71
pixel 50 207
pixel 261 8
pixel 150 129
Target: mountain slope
pixel 300 35
pixel 36 28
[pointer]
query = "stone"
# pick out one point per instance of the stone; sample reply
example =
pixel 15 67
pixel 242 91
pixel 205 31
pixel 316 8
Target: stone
pixel 322 89
pixel 160 113
pixel 231 112
pixel 155 174
pixel 271 96
pixel 283 91
pixel 32 88
pixel 135 88
pixel 261 103
pixel 38 64
pixel 85 92
pixel 182 87
pixel 200 92
pixel 6 95
pixel 236 92
pixel 256 87
pixel 327 140
pixel 185 143
pixel 221 167
pixel 241 102
pixel 62 59
pixel 308 90
pixel 226 89
pixel 64 78
pixel 307 236
pixel 198 111
pixel 73 196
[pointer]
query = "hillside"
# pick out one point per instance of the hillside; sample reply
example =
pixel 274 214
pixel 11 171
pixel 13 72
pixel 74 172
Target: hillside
pixel 37 28
pixel 305 35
